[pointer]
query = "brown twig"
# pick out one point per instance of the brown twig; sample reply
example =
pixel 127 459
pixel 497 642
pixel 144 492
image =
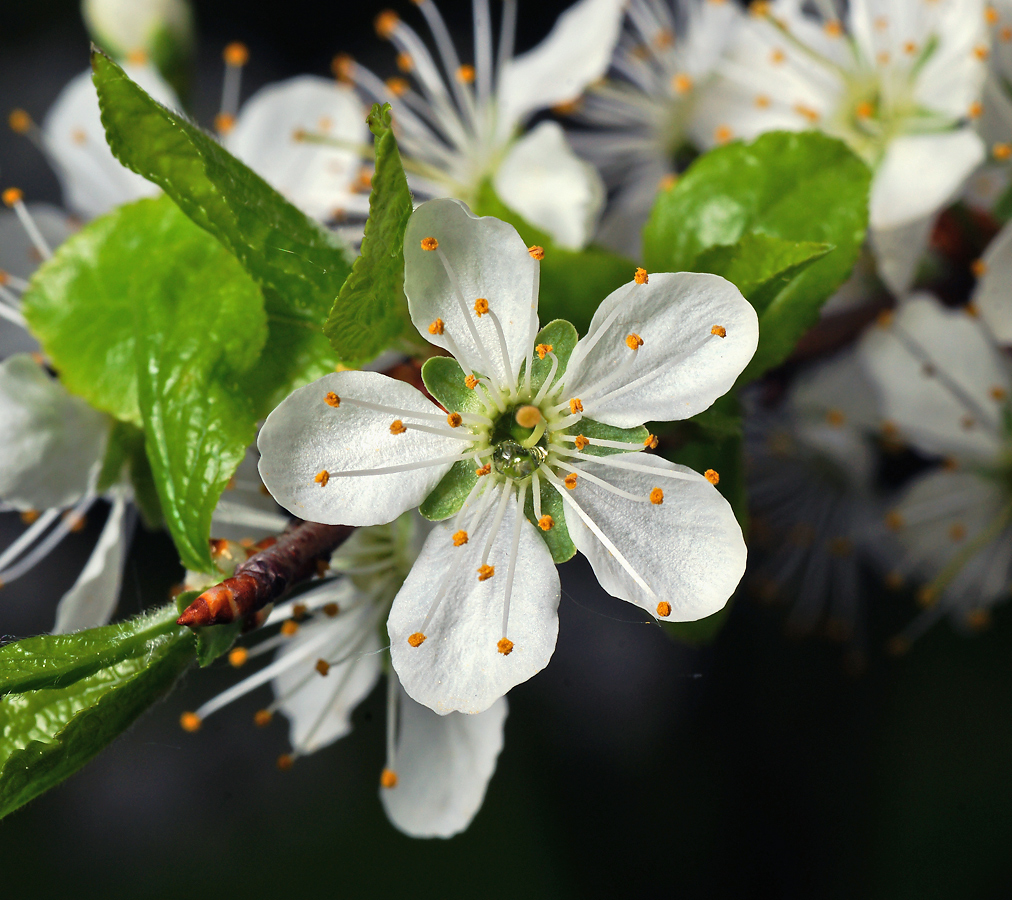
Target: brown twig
pixel 266 575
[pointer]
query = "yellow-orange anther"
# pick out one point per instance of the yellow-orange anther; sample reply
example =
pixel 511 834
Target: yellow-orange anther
pixel 667 182
pixel 806 112
pixel 190 721
pixel 570 480
pixel 957 531
pixel 262 718
pixel 29 516
pixel 429 243
pixel 397 427
pixel 651 442
pixel 567 107
pixel 926 596
pixel 835 417
pixel 480 307
pixel 459 538
pixel 979 268
pixel 465 74
pixel 331 609
pixel 1005 35
pixel 236 54
pixel 1001 152
pixel 322 477
pixel 833 28
pixel 137 57
pixel 719 330
pixel 528 416
pixel 990 15
pixel 712 475
pixel 581 442
pixel 634 342
pixel 722 134
pixel 224 123
pixel 388 778
pixel 760 8
pixel 543 350
pixel 397 86
pixel 19 121
pixel 323 667
pixel 681 83
pixel 657 496
pixel 640 276
pixel 289 628
pixel 664 609
pixel 483 470
pixel 386 22
pixel 536 252
pixel 237 657
pixel 910 48
pixel 12 196
pixel 471 382
pixel 416 639
pixel 978 619
pixel 75 522
pixel 342 66
pixel 546 522
pixel 575 406
pixel 437 327
pixel 300 611
pixel 485 572
pixel 285 762
pixel 505 646
pixel 332 399
pixel 981 52
pixel 762 101
pixel 404 62
pixel 777 56
pixel 454 420
pixel 975 110
pixel 998 393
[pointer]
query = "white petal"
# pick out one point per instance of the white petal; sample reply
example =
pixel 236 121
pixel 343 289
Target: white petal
pixel 125 25
pixel 488 260
pixel 920 174
pixel 92 600
pixel 319 707
pixel 458 667
pixel 305 436
pixel 18 255
pixel 899 251
pixel 946 397
pixel 688 549
pixel 52 443
pixel 444 764
pixel 315 177
pixel 576 52
pixel 93 180
pixel 993 296
pixel 544 180
pixel 682 365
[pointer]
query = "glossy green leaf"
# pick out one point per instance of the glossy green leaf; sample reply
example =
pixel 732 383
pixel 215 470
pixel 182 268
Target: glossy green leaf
pixel 48 734
pixel 371 311
pixel 55 660
pixel 297 263
pixel 573 282
pixel 797 187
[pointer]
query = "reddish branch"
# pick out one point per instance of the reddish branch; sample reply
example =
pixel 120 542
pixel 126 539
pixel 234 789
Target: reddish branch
pixel 266 575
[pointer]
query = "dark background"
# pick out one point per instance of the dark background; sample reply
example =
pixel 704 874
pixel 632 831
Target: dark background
pixel 753 768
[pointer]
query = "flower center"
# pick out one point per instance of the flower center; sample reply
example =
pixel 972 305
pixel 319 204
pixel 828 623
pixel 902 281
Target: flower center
pixel 519 441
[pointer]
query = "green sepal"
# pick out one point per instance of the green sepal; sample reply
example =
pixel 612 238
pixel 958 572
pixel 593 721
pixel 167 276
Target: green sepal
pixel 557 537
pixel 298 265
pixel 449 495
pixel 444 379
pixel 562 337
pixel 46 735
pixel 573 282
pixel 592 429
pixel 55 660
pixel 371 311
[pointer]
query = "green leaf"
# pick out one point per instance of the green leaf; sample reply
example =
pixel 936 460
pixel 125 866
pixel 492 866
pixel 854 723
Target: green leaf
pixel 297 263
pixel 561 336
pixel 125 457
pixel 55 660
pixel 444 379
pixel 371 311
pixel 48 734
pixel 573 282
pixel 449 495
pixel 557 537
pixel 797 187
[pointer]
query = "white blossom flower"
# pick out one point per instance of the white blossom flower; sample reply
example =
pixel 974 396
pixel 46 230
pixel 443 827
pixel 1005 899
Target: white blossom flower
pixel 811 467
pixel 330 657
pixel 898 80
pixel 945 386
pixel 125 27
pixel 642 118
pixel 461 126
pixel 533 455
pixel 73 140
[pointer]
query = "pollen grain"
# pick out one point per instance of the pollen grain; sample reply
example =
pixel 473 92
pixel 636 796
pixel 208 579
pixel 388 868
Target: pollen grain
pixel 416 639
pixel 505 646
pixel 485 572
